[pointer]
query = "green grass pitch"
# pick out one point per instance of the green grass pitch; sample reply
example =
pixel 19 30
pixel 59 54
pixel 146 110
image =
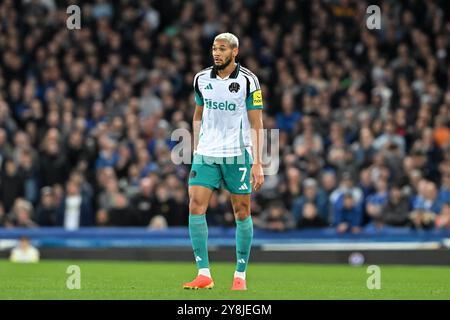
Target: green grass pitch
pixel 163 280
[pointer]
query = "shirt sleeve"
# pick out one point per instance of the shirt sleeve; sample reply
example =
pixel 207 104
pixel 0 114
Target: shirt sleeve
pixel 197 93
pixel 254 99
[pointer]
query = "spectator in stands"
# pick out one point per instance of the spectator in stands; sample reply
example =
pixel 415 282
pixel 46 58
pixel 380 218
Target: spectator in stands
pixel 108 197
pixel 5 147
pixel 28 172
pixel 443 219
pixel 441 133
pixel 158 222
pixel 311 193
pixel 86 189
pixel 76 149
pixel 348 214
pixel 339 155
pixel 124 162
pixel 396 211
pixel 389 137
pixel 11 184
pixel 427 197
pixel 289 116
pixel 21 215
pixel 329 182
pixel 46 210
pixel 310 218
pixel 178 216
pixel 108 156
pixel 119 213
pixel 276 218
pixel 291 188
pixel 75 210
pixel 444 190
pixel 425 205
pixel 6 120
pixel 53 165
pixel 347 186
pixel 144 162
pixel 375 202
pixel 58 194
pixel 363 148
pixel 161 140
pixel 309 142
pixel 162 205
pixel 366 183
pixel 102 218
pixel 143 202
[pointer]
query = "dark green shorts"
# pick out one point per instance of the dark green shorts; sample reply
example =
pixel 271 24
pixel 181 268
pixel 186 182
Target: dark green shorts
pixel 233 172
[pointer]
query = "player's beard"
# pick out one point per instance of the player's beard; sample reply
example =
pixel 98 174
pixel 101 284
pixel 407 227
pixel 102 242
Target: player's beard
pixel 223 65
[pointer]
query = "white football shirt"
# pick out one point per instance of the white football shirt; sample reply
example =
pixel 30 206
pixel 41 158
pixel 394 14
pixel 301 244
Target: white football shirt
pixel 225 128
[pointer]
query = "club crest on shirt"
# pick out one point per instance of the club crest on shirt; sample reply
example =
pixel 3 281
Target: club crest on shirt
pixel 234 87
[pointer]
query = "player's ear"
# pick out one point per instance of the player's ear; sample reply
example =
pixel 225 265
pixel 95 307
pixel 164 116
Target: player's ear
pixel 235 52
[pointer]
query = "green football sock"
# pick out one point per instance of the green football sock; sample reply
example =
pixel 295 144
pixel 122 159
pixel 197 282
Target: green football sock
pixel 244 236
pixel 198 231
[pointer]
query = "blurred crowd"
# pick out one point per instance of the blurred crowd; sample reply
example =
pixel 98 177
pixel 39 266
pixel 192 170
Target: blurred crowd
pixel 86 115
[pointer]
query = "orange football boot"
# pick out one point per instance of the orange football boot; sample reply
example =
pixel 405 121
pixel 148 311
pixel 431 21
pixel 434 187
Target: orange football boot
pixel 239 284
pixel 200 282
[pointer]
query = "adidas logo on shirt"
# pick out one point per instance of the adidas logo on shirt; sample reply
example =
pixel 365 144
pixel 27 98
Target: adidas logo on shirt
pixel 209 87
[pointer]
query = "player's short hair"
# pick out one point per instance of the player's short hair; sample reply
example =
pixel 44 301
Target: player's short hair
pixel 228 37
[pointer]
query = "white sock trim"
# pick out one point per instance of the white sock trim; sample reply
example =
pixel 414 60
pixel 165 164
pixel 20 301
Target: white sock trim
pixel 204 272
pixel 238 274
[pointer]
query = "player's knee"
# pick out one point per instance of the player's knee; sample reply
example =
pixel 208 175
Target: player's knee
pixel 241 211
pixel 196 206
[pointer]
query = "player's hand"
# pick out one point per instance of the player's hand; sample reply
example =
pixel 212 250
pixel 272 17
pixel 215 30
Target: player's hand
pixel 257 176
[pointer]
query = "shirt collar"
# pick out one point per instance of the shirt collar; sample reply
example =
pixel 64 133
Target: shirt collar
pixel 233 75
